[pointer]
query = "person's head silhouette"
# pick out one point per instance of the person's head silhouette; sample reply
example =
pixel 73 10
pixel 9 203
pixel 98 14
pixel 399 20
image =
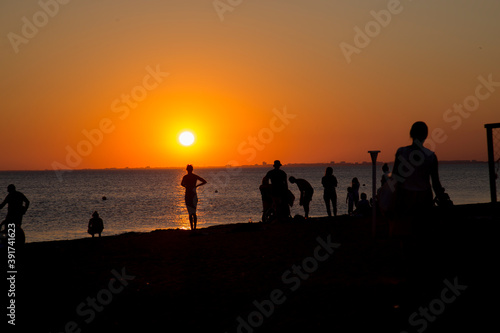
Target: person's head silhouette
pixel 277 164
pixel 292 179
pixel 329 171
pixel 419 132
pixel 11 188
pixel 95 214
pixel 189 168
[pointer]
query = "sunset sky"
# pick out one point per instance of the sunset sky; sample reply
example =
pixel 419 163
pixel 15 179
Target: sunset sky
pixel 98 84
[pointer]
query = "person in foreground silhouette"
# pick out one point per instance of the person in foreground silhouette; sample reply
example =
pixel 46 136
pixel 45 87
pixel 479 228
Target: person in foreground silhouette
pixel 279 190
pixel 96 225
pixel 190 181
pixel 329 182
pixel 306 193
pixel 414 168
pixel 17 206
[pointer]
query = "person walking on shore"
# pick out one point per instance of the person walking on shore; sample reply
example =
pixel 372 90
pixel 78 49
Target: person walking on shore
pixel 190 181
pixel 306 193
pixel 329 182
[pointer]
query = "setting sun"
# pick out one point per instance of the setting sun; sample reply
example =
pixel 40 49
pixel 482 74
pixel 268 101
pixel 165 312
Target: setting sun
pixel 186 138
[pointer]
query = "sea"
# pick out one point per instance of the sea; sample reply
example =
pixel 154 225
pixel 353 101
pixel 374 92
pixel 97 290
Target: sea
pixel 143 200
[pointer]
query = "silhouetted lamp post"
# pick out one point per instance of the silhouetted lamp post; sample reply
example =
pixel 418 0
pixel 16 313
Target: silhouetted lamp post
pixel 491 159
pixel 374 154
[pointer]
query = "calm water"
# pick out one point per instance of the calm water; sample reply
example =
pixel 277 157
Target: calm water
pixel 144 200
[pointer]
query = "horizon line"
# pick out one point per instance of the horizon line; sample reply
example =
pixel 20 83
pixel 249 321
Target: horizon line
pixel 333 163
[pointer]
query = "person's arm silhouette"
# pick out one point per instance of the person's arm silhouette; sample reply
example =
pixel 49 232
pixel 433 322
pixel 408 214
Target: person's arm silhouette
pixel 26 203
pixel 203 181
pixel 436 183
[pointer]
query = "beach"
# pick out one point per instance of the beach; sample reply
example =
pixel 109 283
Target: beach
pixel 148 199
pixel 315 275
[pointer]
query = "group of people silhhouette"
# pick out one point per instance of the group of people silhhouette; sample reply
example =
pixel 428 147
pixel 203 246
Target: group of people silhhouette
pixel 408 187
pixel 414 169
pixel 276 196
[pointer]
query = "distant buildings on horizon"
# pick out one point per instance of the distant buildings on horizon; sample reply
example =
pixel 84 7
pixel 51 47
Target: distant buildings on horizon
pixel 344 163
pixel 268 165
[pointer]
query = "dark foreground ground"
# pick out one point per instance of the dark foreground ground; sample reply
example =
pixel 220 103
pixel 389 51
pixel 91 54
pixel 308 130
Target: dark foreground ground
pixel 251 277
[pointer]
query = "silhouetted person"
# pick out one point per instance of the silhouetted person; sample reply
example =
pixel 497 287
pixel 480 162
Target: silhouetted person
pixel 267 199
pixel 278 178
pixel 350 200
pixel 355 190
pixel 279 189
pixel 414 168
pixel 17 206
pixel 96 225
pixel 364 208
pixel 385 174
pixel 306 193
pixel 190 181
pixel 329 182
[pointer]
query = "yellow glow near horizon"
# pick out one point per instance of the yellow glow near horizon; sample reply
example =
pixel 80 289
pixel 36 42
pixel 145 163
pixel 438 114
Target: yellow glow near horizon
pixel 186 138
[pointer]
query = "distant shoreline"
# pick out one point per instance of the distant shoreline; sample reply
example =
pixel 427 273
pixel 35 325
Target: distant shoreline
pixel 325 164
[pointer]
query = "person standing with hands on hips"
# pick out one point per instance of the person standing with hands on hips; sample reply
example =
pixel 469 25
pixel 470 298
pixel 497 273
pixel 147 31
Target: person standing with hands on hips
pixel 189 181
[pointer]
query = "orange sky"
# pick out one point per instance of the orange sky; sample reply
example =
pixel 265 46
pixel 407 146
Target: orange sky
pixel 255 81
